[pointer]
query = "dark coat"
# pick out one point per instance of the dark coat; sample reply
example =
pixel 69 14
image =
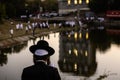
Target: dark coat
pixel 40 71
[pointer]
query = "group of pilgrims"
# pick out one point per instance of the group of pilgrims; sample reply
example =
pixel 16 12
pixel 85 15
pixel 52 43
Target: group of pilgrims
pixel 31 26
pixel 45 24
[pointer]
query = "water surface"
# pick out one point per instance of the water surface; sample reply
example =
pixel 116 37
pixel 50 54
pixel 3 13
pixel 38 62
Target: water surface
pixel 79 55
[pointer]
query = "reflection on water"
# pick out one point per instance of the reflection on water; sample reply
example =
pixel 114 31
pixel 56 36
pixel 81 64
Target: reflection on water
pixel 80 55
pixel 9 50
pixel 77 55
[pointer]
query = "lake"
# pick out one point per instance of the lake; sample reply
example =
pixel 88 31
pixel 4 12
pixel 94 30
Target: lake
pixel 79 55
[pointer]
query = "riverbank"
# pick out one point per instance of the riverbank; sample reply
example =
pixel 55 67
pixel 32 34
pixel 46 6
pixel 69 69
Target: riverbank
pixel 20 36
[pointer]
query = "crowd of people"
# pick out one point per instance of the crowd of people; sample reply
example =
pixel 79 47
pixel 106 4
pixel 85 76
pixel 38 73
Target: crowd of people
pixel 31 26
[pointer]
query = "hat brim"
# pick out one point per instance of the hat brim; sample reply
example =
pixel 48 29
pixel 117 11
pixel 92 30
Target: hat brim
pixel 50 50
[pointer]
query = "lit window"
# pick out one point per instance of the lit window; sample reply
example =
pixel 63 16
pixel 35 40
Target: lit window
pixel 75 1
pixel 80 35
pixel 69 2
pixel 64 60
pixel 76 52
pixel 69 51
pixel 87 1
pixel 87 35
pixel 86 53
pixel 80 1
pixel 69 35
pixel 75 67
pixel 75 35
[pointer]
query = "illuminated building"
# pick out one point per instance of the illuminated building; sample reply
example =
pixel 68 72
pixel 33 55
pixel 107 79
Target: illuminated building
pixel 66 6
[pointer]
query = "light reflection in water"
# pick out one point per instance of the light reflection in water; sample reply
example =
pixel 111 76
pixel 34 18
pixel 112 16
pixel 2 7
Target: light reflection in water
pixel 86 56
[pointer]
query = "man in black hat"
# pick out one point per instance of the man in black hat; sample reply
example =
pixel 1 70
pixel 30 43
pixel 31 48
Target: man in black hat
pixel 41 71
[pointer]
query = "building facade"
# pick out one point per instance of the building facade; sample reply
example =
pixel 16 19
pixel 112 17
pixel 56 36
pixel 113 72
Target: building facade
pixel 66 6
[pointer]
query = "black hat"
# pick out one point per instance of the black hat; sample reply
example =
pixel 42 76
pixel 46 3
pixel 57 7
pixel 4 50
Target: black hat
pixel 42 49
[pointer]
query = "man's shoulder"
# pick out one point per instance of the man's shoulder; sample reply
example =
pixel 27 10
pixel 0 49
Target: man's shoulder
pixel 29 67
pixel 52 68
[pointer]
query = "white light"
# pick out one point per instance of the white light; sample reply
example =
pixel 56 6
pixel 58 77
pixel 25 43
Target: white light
pixel 75 1
pixel 75 67
pixel 76 52
pixel 87 1
pixel 87 35
pixel 75 35
pixel 69 2
pixel 86 53
pixel 80 1
pixel 41 52
pixel 69 51
pixel 80 35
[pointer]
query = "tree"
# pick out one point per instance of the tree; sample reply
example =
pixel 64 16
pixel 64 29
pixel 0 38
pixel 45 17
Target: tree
pixel 46 5
pixel 114 4
pixel 2 11
pixel 51 5
pixel 99 6
pixel 14 7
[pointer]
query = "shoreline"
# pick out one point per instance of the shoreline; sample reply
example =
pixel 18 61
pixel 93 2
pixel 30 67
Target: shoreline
pixel 20 36
pixel 19 39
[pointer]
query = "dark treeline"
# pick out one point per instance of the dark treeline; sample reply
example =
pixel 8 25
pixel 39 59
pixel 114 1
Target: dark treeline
pixel 15 8
pixel 46 6
pixel 11 8
pixel 99 6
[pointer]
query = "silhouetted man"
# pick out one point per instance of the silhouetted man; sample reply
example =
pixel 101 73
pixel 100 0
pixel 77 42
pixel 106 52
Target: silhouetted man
pixel 41 70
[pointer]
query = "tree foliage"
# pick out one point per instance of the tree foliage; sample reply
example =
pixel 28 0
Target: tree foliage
pixel 114 4
pixel 51 5
pixel 2 11
pixel 12 8
pixel 47 5
pixel 99 6
pixel 15 8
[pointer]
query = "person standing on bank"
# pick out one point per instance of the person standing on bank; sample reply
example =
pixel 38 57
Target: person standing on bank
pixel 41 70
pixel 11 32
